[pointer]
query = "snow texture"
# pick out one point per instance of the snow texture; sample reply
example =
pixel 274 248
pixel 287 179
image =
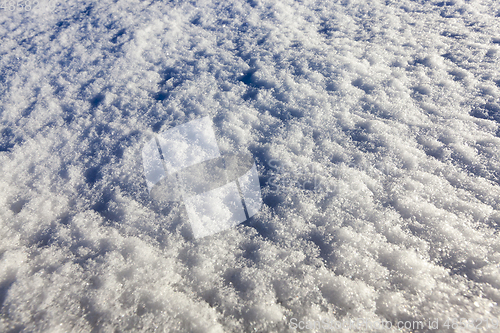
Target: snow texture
pixel 374 126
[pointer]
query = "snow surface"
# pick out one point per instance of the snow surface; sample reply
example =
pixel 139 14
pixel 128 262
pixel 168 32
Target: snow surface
pixel 393 107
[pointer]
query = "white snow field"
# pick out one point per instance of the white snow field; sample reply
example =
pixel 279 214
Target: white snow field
pixel 374 126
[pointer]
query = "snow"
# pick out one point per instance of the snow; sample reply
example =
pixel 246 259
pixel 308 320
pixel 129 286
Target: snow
pixel 374 127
